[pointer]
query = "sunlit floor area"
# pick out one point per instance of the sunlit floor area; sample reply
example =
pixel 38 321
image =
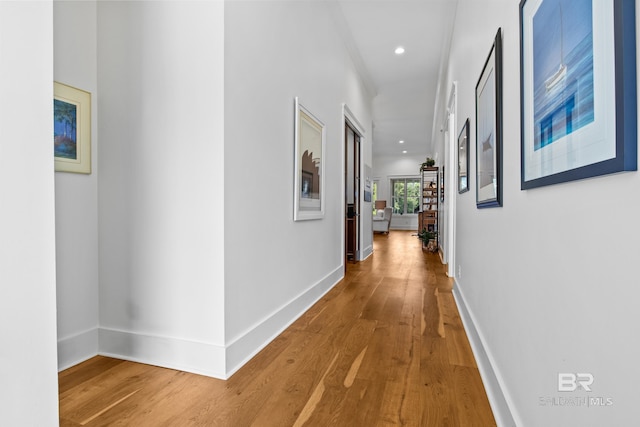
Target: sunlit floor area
pixel 384 347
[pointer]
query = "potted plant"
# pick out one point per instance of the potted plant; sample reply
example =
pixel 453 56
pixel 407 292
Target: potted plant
pixel 429 163
pixel 428 239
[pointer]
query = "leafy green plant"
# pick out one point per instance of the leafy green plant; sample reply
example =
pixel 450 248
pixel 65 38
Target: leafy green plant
pixel 426 235
pixel 428 163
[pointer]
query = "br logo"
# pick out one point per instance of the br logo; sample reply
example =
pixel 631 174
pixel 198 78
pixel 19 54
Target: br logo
pixel 571 382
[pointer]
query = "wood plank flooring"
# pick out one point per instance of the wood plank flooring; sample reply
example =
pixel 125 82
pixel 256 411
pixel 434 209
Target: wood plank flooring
pixel 385 347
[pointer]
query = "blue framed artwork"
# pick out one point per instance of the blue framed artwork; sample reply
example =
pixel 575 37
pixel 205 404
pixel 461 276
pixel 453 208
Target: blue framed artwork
pixel 489 129
pixel 578 89
pixel 71 129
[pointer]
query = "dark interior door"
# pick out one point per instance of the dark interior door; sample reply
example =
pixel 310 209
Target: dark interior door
pixel 352 193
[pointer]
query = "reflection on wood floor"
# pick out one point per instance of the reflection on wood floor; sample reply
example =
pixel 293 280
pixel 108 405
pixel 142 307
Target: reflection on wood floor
pixel 385 347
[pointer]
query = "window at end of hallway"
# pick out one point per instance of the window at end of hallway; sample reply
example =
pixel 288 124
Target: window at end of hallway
pixel 405 197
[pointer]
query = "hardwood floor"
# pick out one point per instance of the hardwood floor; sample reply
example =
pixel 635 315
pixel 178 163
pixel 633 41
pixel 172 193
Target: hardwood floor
pixel 385 347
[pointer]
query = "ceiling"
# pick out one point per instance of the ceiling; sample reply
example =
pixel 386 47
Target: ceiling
pixel 405 85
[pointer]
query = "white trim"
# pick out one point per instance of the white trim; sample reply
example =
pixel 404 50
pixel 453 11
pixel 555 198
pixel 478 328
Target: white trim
pixel 169 352
pixel 367 252
pixel 500 400
pixel 348 116
pixel 346 112
pixel 198 357
pixel 77 348
pixel 403 228
pixel 452 179
pixel 242 348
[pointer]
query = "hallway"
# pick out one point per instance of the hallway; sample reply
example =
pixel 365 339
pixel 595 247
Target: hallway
pixel 384 347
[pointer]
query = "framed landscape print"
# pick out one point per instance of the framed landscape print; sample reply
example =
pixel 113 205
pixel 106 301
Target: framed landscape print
pixel 489 129
pixel 463 159
pixel 578 89
pixel 309 166
pixel 71 129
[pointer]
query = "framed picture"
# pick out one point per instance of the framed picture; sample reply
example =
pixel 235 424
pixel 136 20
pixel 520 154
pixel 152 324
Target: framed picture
pixel 71 129
pixel 578 89
pixel 309 165
pixel 489 129
pixel 463 159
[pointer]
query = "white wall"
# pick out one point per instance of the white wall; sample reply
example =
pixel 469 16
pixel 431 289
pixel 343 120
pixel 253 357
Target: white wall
pixel 28 374
pixel 75 64
pixel 549 280
pixel 401 166
pixel 161 194
pixel 152 231
pixel 275 267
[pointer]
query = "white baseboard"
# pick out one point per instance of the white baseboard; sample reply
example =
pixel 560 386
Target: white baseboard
pixel 77 348
pixel 192 356
pixel 242 348
pixel 366 253
pixel 407 227
pixel 174 353
pixel 496 392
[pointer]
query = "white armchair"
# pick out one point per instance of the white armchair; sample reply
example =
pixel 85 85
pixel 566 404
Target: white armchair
pixel 382 220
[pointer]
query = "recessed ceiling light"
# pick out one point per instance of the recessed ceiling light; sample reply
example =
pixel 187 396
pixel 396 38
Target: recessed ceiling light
pixel 404 151
pixel 399 50
pixel 401 142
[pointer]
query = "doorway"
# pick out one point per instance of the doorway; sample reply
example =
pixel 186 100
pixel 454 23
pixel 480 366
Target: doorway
pixel 451 162
pixel 352 192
